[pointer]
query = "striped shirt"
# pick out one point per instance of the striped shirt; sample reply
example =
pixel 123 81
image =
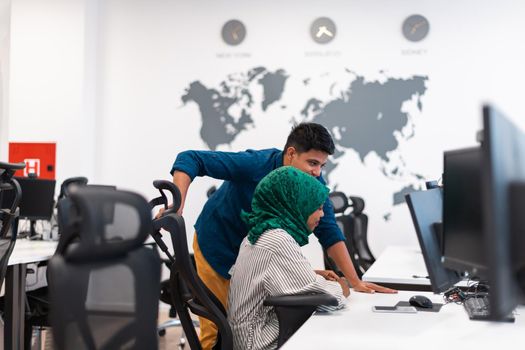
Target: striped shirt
pixel 273 266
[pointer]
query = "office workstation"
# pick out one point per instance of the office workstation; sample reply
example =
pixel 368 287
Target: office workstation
pixel 358 326
pixel 116 91
pixel 473 266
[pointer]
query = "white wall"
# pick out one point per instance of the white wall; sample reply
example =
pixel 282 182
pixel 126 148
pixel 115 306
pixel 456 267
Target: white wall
pixel 104 79
pixel 48 81
pixel 5 19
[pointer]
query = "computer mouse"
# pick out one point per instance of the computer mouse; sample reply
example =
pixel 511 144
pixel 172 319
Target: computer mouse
pixel 420 301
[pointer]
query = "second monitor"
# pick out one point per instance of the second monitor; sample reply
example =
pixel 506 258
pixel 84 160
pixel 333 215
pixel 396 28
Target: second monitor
pixel 426 211
pixel 37 199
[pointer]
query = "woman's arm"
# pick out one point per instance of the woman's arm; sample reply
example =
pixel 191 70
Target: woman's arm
pixel 290 273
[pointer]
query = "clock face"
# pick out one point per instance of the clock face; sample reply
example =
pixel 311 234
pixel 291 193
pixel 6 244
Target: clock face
pixel 323 30
pixel 415 28
pixel 233 32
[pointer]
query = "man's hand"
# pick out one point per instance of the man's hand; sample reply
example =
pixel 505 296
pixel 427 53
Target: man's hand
pixel 160 213
pixel 369 287
pixel 327 274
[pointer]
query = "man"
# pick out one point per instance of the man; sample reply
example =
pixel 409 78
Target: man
pixel 219 229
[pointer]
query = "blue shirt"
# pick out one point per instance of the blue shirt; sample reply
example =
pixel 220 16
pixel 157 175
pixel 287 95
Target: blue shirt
pixel 219 227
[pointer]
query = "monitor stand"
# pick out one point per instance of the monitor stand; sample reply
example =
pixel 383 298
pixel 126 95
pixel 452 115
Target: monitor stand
pixel 32 232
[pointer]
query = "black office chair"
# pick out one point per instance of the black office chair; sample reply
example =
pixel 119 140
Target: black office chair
pixel 165 292
pixel 37 303
pixel 8 213
pixel 190 294
pixel 354 224
pixel 10 196
pixel 69 233
pixel 104 287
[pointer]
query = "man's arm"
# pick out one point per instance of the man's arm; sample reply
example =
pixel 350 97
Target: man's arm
pixel 339 254
pixel 228 166
pixel 182 181
pixel 332 239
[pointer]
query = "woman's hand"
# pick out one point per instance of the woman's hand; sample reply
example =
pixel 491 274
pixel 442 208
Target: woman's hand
pixel 328 275
pixel 344 286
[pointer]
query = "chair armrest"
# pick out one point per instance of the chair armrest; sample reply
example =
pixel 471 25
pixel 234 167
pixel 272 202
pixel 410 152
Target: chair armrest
pixel 12 166
pixel 301 300
pixel 294 310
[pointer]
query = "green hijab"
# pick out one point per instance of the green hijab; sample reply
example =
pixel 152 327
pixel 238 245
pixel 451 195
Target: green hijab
pixel 285 198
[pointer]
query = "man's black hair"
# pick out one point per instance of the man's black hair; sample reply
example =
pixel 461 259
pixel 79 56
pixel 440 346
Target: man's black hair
pixel 307 136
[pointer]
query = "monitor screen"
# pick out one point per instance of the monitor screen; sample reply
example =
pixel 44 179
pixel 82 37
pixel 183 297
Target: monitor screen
pixel 484 193
pixel 37 198
pixel 463 236
pixel 426 209
pixel 503 165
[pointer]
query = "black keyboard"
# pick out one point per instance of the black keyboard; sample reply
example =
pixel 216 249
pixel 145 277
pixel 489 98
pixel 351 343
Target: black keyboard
pixel 477 307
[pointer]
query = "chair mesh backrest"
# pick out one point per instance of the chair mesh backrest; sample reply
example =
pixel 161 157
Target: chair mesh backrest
pixel 360 237
pixel 109 221
pixel 360 230
pixel 354 226
pixel 67 216
pixel 105 289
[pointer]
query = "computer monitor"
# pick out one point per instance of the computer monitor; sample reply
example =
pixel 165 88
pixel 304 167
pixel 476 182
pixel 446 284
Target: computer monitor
pixel 484 192
pixel 426 211
pixel 503 165
pixel 463 236
pixel 37 200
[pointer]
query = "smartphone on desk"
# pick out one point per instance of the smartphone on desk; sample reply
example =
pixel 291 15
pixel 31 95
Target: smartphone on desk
pixel 395 309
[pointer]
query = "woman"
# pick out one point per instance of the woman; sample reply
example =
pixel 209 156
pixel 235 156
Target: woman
pixel 286 207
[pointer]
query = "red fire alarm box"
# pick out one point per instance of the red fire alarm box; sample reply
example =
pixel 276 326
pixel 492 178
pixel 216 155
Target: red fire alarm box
pixel 39 158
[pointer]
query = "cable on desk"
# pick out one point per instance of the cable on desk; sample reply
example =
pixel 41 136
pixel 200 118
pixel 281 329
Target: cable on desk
pixel 475 289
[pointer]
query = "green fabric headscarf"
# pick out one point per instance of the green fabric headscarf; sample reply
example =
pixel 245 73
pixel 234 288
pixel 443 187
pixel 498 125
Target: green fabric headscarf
pixel 285 198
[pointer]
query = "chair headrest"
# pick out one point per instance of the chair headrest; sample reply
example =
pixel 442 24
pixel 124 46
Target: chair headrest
pixel 358 204
pixel 339 201
pixel 164 187
pixel 109 223
pixel 69 184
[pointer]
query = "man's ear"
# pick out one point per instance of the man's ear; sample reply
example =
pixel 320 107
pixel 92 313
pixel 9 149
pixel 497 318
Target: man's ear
pixel 290 152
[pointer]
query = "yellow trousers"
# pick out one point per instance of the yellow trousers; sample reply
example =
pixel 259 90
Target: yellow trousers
pixel 218 285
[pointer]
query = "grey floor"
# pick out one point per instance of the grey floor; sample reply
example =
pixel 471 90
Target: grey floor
pixel 171 340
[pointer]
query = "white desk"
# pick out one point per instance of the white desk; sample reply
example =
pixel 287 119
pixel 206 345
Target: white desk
pixel 357 327
pixel 397 266
pixel 24 252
